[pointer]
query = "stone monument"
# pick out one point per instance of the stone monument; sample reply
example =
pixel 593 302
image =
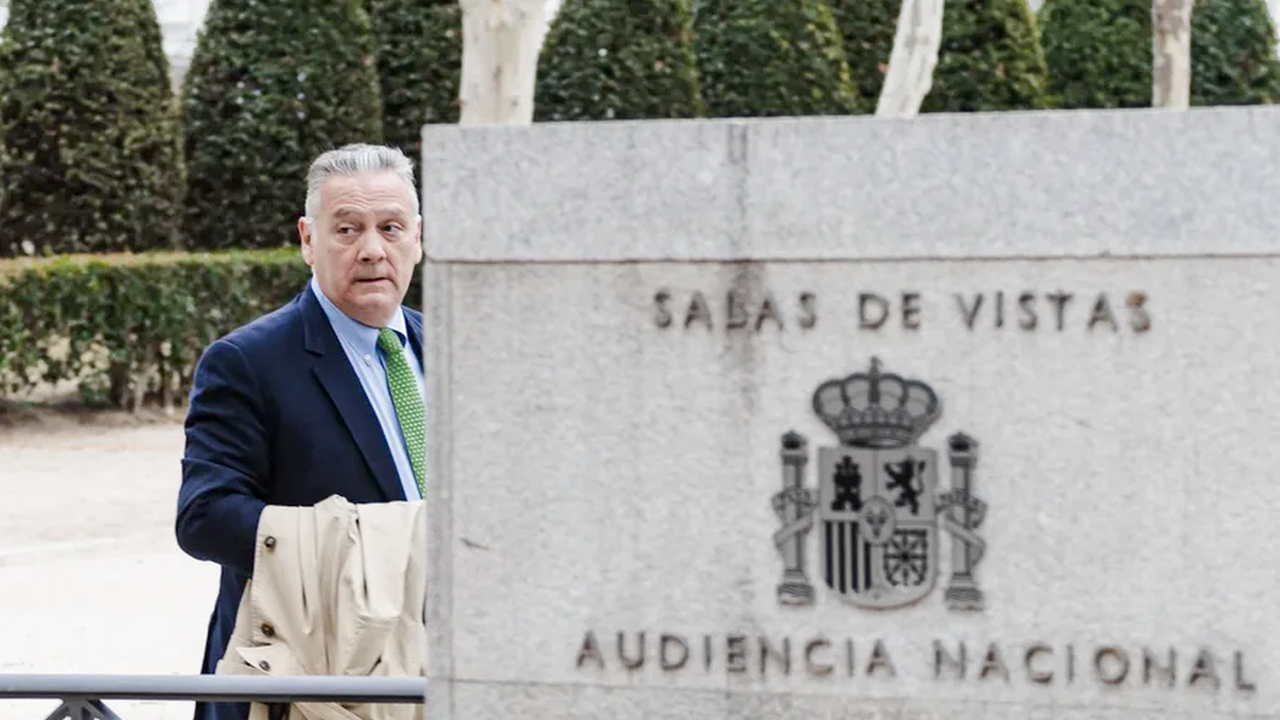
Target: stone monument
pixel 966 417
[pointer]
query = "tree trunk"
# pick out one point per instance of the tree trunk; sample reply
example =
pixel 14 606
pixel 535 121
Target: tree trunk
pixel 1171 54
pixel 915 54
pixel 500 43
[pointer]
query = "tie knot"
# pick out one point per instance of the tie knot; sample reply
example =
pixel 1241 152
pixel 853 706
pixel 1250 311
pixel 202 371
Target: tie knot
pixel 389 342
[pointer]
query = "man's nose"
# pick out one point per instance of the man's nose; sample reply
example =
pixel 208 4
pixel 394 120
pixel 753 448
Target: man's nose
pixel 371 246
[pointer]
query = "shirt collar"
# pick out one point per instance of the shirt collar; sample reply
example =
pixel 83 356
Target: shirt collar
pixel 363 337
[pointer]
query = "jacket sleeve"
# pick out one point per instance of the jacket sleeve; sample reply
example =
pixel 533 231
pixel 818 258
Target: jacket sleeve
pixel 226 463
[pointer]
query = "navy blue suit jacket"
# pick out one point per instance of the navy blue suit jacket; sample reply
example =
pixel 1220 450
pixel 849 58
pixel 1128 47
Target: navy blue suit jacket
pixel 277 417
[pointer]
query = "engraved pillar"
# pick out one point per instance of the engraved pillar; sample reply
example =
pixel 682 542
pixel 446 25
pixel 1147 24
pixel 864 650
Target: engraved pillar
pixel 965 513
pixel 794 507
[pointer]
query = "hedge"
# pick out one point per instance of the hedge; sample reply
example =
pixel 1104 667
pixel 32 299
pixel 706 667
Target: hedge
pixel 419 65
pixel 990 59
pixel 867 28
pixel 1099 53
pixel 90 151
pixel 271 85
pixel 760 58
pixel 130 328
pixel 1233 53
pixel 618 60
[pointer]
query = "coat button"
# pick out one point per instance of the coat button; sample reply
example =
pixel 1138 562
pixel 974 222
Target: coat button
pixel 268 630
pixel 270 542
pixel 266 666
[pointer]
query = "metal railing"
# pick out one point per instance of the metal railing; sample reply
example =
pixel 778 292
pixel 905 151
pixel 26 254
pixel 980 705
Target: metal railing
pixel 83 696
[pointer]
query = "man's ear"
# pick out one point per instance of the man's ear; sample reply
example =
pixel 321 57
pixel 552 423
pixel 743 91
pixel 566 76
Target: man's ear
pixel 304 236
pixel 418 234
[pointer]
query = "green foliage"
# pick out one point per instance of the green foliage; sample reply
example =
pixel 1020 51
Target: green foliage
pixel 130 328
pixel 618 59
pixel 990 59
pixel 772 58
pixel 420 66
pixel 271 85
pixel 1233 53
pixel 867 27
pixel 1099 53
pixel 90 153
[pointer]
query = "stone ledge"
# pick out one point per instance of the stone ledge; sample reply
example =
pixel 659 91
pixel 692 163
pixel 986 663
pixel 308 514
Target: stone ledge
pixel 990 185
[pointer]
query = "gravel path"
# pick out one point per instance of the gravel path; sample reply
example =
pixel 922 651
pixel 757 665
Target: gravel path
pixel 114 595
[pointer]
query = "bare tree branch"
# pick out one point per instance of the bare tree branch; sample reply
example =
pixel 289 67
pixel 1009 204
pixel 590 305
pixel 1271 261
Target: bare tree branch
pixel 500 43
pixel 915 54
pixel 1171 53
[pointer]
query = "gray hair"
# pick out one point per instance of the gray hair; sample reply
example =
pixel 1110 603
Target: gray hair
pixel 352 159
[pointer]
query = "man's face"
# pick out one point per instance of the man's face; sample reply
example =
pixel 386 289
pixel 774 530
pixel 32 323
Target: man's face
pixel 364 244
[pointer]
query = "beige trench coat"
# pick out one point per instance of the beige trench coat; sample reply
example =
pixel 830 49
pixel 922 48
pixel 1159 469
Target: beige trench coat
pixel 337 589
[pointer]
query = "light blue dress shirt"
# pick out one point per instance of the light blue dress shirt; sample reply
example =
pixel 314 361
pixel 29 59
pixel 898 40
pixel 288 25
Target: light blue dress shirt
pixel 360 342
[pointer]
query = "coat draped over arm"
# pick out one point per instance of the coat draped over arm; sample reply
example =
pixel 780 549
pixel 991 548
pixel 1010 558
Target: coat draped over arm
pixel 337 589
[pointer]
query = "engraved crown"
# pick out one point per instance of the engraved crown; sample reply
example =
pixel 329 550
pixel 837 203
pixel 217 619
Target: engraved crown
pixel 876 409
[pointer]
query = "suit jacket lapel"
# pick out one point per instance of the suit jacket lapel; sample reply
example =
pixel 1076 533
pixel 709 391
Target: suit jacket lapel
pixel 414 325
pixel 334 372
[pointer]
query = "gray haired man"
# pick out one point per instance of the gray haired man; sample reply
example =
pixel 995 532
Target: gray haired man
pixel 320 397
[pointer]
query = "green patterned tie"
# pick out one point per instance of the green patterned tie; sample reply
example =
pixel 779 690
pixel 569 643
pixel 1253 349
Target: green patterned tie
pixel 410 409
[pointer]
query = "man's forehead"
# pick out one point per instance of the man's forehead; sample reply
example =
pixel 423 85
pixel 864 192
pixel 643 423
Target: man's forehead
pixel 379 192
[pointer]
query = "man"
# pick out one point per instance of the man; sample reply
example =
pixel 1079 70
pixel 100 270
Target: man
pixel 320 397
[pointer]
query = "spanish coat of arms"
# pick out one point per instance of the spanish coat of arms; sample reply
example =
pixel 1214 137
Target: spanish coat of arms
pixel 877 510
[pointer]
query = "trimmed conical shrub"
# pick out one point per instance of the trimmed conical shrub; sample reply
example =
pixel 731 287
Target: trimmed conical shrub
pixel 989 59
pixel 867 28
pixel 271 85
pixel 1233 53
pixel 618 59
pixel 772 58
pixel 90 154
pixel 419 65
pixel 1099 53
